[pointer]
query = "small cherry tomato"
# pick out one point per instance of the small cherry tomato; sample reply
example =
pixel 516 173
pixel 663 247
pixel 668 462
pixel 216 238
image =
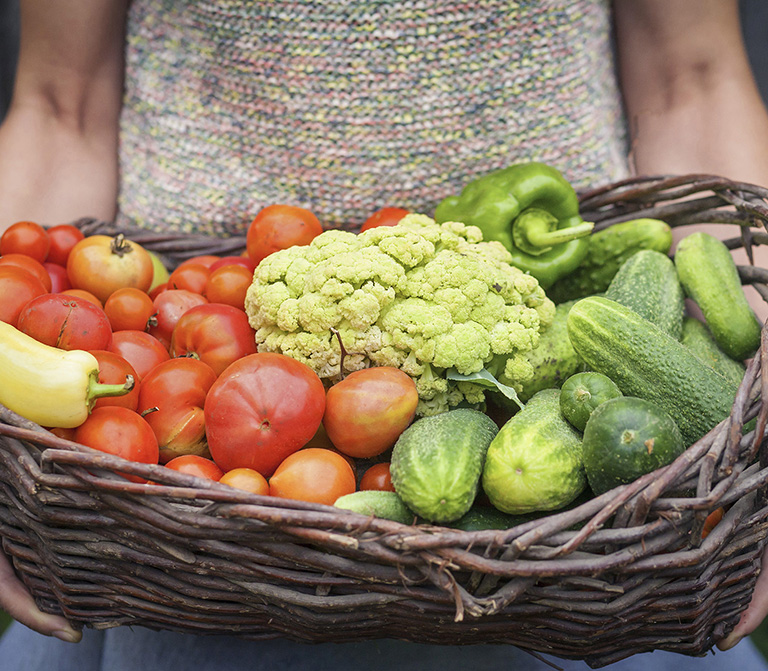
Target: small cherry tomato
pixel 121 432
pixel 171 400
pixel 386 216
pixel 214 333
pixel 377 477
pixel 367 411
pixel 246 479
pixel 129 309
pixel 59 277
pixel 244 261
pixel 67 322
pixel 142 350
pixel 17 288
pixel 192 464
pixel 30 265
pixel 190 277
pixel 102 264
pixel 278 227
pixel 315 475
pixel 261 409
pixel 25 237
pixel 114 369
pixel 228 285
pixel 63 238
pixel 169 306
pixel 82 293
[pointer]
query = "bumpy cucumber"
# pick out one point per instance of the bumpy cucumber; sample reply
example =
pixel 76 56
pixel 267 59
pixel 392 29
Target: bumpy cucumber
pixel 709 276
pixel 608 250
pixel 437 461
pixel 645 361
pixel 647 283
pixel 699 340
pixel 385 504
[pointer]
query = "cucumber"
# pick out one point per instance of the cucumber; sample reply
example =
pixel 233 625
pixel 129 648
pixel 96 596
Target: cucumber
pixel 645 361
pixel 385 504
pixel 437 461
pixel 582 393
pixel 608 250
pixel 709 276
pixel 697 338
pixel 647 283
pixel 625 438
pixel 534 463
pixel 478 518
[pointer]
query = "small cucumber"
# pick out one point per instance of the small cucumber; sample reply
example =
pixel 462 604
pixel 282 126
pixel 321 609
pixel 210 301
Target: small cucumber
pixel 645 361
pixel 647 283
pixel 582 393
pixel 534 463
pixel 478 518
pixel 437 461
pixel 697 338
pixel 709 276
pixel 385 504
pixel 625 438
pixel 608 250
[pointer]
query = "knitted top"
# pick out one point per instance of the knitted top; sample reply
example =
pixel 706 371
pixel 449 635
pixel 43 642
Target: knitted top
pixel 346 106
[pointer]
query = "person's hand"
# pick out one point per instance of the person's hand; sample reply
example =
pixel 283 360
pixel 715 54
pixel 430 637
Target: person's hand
pixel 755 613
pixel 19 604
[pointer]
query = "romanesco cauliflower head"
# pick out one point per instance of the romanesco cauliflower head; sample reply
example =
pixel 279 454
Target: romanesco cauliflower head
pixel 423 297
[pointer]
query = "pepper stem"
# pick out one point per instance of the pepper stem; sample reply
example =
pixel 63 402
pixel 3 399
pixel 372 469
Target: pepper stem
pixel 535 231
pixel 98 389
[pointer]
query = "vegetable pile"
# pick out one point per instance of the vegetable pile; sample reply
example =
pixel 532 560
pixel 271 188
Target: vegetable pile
pixel 497 362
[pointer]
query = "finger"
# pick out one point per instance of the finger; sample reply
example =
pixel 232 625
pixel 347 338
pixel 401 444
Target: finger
pixel 16 600
pixel 755 613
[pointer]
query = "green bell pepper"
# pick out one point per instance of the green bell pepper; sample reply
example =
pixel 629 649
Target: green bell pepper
pixel 532 210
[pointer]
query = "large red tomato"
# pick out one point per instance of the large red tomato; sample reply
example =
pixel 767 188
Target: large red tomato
pixel 168 308
pixel 280 226
pixel 215 333
pixel 262 408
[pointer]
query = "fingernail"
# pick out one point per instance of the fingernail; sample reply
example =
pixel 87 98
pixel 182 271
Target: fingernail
pixel 729 642
pixel 68 635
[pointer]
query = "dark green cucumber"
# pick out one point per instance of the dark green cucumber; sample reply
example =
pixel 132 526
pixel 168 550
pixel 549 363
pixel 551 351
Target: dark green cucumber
pixel 697 338
pixel 709 276
pixel 608 250
pixel 478 518
pixel 437 461
pixel 645 361
pixel 647 283
pixel 582 393
pixel 625 438
pixel 385 504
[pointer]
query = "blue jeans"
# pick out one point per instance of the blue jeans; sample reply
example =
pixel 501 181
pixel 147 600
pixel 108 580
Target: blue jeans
pixel 139 649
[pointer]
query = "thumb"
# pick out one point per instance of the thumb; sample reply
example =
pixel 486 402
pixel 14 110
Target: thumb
pixel 755 613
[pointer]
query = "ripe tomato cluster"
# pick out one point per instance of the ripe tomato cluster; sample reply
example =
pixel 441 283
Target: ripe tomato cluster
pixel 204 401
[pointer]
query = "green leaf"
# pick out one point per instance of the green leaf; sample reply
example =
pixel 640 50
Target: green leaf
pixel 485 379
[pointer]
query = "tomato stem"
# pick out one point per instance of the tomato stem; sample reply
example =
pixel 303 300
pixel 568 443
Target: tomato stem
pixel 120 245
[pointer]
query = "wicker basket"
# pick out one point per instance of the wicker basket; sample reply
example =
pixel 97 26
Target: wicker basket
pixel 620 574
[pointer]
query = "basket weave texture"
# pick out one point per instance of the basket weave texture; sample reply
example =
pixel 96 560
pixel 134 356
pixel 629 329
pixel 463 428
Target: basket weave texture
pixel 622 573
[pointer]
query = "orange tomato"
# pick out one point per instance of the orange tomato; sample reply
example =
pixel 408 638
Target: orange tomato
pixel 29 264
pixel 129 309
pixel 189 277
pixel 17 288
pixel 313 474
pixel 229 284
pixel 193 464
pixel 246 479
pixel 82 293
pixel 278 227
pixel 386 216
pixel 713 519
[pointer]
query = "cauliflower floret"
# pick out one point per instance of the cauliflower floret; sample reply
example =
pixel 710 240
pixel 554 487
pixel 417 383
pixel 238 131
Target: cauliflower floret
pixel 424 297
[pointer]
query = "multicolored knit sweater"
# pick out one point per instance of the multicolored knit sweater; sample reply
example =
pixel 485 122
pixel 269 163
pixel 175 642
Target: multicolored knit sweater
pixel 346 106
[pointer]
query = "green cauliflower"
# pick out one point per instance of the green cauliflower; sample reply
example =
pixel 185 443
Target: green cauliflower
pixel 423 297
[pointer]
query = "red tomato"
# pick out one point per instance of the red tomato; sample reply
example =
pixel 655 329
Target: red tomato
pixel 121 432
pixel 102 264
pixel 280 226
pixel 114 369
pixel 214 333
pixel 82 293
pixel 190 277
pixel 59 277
pixel 713 519
pixel 315 475
pixel 169 306
pixel 244 261
pixel 171 400
pixel 63 238
pixel 206 260
pixel 386 216
pixel 367 411
pixel 377 477
pixel 261 409
pixel 228 285
pixel 65 321
pixel 129 309
pixel 25 237
pixel 200 467
pixel 142 350
pixel 246 479
pixel 160 288
pixel 17 288
pixel 30 265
